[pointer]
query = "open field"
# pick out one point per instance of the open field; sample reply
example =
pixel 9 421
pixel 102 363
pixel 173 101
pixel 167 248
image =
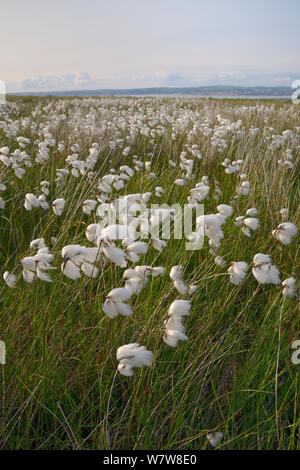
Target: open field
pixel 60 387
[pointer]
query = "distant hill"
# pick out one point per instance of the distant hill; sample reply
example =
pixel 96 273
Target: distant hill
pixel 206 91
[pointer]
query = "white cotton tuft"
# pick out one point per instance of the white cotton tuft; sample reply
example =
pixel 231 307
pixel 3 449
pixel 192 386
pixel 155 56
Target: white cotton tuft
pixel 284 214
pixel 58 206
pixel 37 265
pixel 135 284
pixel 219 261
pixel 237 271
pixel 174 323
pixel 71 270
pixel 89 269
pixel 172 337
pixel 126 370
pixel 28 275
pixel 72 251
pixel 180 182
pixel 90 254
pixel 159 245
pixel 214 438
pixel 115 302
pixel 174 328
pixel 239 220
pixel 246 231
pixel 124 309
pixel 31 202
pixel 180 286
pixel 285 232
pixel 264 271
pixel 89 205
pixel 129 273
pixel 289 287
pixel 76 258
pixel 180 308
pixel 251 222
pixel 133 355
pixel 119 294
pixel 133 250
pixel 92 232
pixel 176 272
pixel 252 212
pixel 43 275
pixel 243 189
pixel 28 263
pixel 225 210
pixel 261 258
pixel 192 289
pixel 118 232
pixel 210 226
pixel 157 271
pixel 37 243
pixel 10 279
pixel 43 202
pixel 116 255
pixel 110 309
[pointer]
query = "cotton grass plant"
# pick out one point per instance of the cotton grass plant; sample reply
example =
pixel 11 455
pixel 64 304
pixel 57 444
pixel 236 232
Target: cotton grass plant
pixel 207 368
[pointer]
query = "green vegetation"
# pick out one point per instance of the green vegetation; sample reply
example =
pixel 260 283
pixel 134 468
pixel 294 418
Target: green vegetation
pixel 59 388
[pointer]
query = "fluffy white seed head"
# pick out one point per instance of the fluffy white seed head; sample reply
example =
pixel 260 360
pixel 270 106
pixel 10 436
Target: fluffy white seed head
pixel 172 337
pixel 180 286
pixel 237 272
pixel 219 261
pixel 180 308
pixel 120 294
pixel 58 206
pixel 214 438
pixel 133 355
pixel 10 279
pixel 252 212
pixel 176 272
pixel 285 232
pixel 264 271
pixel 116 255
pixel 251 222
pixel 225 210
pixel 289 287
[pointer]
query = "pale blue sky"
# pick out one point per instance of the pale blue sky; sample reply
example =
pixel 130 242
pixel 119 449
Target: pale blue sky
pixel 72 44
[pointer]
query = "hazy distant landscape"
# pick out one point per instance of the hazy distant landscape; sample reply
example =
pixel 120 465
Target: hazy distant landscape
pixel 280 92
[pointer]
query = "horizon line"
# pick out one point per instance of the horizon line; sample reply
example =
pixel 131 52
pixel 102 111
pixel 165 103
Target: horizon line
pixel 203 87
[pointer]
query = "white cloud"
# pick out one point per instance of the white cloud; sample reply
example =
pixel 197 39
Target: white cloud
pixel 55 82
